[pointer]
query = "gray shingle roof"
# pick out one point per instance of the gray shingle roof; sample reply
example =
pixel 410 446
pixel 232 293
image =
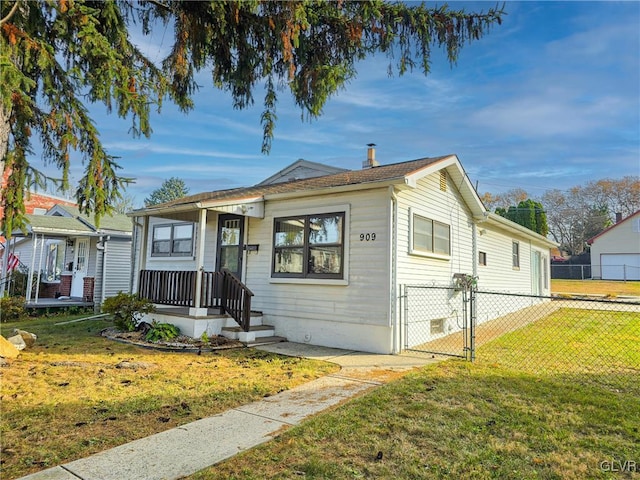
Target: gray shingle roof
pixel 350 177
pixel 116 222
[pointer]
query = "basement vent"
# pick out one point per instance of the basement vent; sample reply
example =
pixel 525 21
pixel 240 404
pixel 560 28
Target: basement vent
pixel 443 180
pixel 437 326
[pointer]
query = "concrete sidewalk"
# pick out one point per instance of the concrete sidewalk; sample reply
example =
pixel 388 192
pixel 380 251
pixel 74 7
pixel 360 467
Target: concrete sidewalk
pixel 186 449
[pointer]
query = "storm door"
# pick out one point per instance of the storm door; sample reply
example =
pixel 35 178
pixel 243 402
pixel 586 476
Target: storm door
pixel 230 243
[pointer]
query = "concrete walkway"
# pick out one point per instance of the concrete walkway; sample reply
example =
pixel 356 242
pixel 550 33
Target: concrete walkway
pixel 186 449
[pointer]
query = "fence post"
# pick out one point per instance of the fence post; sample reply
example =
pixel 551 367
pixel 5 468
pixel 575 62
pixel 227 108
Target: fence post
pixel 472 320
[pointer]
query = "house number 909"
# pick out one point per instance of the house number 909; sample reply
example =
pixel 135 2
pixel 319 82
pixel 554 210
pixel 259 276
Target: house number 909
pixel 367 237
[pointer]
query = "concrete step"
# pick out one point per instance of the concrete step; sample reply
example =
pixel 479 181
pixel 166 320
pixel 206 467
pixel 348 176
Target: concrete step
pixel 255 332
pixel 266 341
pixel 255 320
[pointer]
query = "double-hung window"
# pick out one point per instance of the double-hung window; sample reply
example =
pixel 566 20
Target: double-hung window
pixel 174 240
pixel 430 236
pixel 309 246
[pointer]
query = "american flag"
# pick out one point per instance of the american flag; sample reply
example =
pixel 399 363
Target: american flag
pixel 12 262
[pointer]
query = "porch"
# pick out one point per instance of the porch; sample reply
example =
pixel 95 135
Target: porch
pixel 60 302
pixel 200 295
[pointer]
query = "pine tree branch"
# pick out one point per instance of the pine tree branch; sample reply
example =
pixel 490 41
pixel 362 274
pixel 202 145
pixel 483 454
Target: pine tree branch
pixel 11 13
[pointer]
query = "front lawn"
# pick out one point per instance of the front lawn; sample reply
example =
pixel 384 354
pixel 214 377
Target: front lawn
pixel 482 420
pixel 76 393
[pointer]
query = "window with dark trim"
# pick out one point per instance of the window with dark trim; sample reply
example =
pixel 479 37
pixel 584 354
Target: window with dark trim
pixel 309 246
pixel 482 258
pixel 431 236
pixel 172 240
pixel 515 254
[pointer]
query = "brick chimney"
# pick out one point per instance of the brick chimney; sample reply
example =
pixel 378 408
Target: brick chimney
pixel 370 162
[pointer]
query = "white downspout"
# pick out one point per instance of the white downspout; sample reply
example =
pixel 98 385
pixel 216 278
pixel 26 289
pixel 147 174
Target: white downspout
pixel 393 304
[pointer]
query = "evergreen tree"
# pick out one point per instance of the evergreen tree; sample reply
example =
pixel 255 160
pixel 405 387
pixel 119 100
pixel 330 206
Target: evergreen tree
pixel 58 56
pixel 529 214
pixel 170 189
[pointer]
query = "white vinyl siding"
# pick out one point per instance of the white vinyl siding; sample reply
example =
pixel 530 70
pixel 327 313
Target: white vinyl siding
pixel 311 306
pixel 618 249
pixel 117 272
pixel 446 208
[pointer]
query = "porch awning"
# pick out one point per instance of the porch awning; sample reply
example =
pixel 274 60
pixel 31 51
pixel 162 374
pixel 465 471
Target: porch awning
pixel 248 207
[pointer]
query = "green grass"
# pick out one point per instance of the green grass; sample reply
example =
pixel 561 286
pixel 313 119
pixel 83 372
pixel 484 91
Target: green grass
pixel 71 395
pixel 595 287
pixel 490 419
pixel 600 343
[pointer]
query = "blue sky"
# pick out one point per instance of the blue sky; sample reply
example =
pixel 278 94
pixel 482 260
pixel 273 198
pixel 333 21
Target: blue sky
pixel 550 99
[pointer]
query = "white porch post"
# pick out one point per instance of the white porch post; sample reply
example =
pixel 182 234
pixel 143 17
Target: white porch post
pixel 40 268
pixel 32 266
pixel 4 273
pixel 197 310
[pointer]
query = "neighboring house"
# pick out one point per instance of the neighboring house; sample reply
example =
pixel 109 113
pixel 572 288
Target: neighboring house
pixel 68 255
pixel 34 203
pixel 323 258
pixel 615 252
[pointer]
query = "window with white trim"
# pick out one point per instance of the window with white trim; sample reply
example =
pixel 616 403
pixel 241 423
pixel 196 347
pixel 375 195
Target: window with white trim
pixel 515 254
pixel 172 240
pixel 430 236
pixel 309 246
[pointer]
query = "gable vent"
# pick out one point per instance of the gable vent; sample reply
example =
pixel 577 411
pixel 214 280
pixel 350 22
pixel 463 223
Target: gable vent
pixel 443 180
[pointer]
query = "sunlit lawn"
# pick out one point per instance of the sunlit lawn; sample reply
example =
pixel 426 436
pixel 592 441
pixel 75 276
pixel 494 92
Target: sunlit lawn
pixel 495 418
pixel 72 395
pixel 595 287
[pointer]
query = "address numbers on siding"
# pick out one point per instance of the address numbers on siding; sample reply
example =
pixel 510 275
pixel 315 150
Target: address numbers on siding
pixel 367 237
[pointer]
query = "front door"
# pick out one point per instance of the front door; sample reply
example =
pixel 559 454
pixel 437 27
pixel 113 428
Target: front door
pixel 230 243
pixel 80 264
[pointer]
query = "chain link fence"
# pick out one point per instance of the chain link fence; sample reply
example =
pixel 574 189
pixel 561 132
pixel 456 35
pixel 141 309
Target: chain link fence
pixel 586 339
pixel 570 271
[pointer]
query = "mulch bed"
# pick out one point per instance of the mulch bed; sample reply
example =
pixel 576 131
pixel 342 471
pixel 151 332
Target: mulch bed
pixel 181 343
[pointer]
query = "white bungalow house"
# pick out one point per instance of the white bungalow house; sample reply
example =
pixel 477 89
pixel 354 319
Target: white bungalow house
pixel 322 257
pixel 72 261
pixel 615 252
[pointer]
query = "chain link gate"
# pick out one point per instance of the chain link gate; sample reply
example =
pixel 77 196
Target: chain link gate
pixel 439 320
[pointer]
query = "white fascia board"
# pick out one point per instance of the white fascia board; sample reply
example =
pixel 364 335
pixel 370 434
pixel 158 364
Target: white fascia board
pixel 253 207
pixel 59 231
pixel 456 172
pixel 248 207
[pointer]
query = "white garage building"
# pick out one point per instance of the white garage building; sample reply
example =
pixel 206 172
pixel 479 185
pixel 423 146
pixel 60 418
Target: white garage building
pixel 615 252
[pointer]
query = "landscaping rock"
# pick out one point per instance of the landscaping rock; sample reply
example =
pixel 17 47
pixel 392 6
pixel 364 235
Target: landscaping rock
pixel 17 341
pixel 7 349
pixel 28 337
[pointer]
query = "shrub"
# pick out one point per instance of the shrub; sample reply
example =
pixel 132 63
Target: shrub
pixel 12 309
pixel 127 310
pixel 161 331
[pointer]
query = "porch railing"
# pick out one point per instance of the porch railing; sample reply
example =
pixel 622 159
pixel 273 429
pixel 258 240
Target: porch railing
pixel 168 287
pixel 221 290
